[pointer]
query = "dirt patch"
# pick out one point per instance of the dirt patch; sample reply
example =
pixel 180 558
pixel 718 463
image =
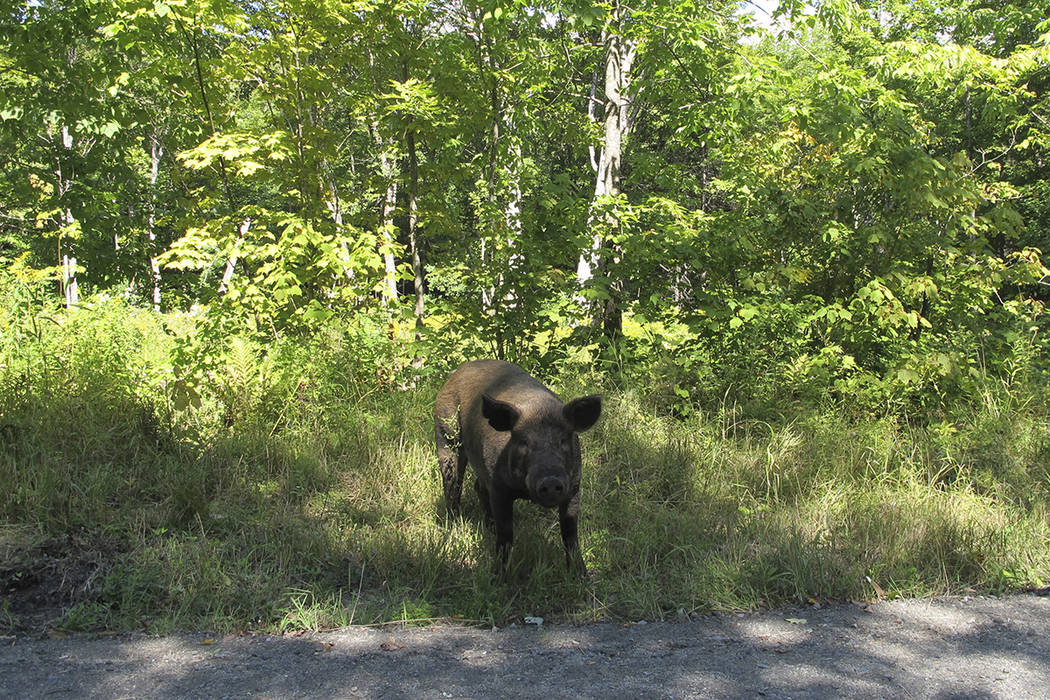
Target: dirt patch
pixel 40 581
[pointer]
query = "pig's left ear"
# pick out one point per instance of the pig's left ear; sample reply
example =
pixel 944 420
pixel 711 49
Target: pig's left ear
pixel 501 415
pixel 583 412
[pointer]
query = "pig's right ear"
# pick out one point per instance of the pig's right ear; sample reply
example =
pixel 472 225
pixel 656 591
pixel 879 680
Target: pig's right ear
pixel 583 412
pixel 500 414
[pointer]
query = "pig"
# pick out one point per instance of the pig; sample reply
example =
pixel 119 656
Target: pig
pixel 522 443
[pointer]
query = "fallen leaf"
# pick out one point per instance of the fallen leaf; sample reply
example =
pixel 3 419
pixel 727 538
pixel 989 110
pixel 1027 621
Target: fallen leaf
pixel 796 620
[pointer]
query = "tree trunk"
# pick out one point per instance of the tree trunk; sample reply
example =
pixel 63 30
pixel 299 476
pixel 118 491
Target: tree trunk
pixel 619 56
pixel 413 243
pixel 388 168
pixel 489 250
pixel 332 202
pixel 231 262
pixel 501 224
pixel 69 274
pixel 68 286
pixel 515 257
pixel 156 152
pixel 388 172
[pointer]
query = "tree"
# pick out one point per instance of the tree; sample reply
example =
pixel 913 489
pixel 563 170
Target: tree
pixel 68 136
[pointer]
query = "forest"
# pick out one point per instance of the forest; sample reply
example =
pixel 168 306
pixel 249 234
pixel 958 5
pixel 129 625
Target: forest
pixel 799 248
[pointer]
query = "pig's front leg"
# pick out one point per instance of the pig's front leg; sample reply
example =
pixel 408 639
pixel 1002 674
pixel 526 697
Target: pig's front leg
pixel 569 518
pixel 502 507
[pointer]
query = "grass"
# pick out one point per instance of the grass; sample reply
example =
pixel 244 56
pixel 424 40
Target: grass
pixel 303 494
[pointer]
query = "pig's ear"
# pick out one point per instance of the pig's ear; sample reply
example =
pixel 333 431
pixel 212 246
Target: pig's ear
pixel 583 412
pixel 500 414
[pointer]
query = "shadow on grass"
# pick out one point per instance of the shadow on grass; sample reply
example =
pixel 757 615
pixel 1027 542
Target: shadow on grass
pixel 337 518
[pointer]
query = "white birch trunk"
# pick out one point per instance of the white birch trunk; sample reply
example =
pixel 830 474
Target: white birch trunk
pixel 512 207
pixel 388 171
pixel 417 262
pixel 69 267
pixel 231 262
pixel 619 56
pixel 156 152
pixel 515 257
pixel 386 230
pixel 69 288
pixel 335 209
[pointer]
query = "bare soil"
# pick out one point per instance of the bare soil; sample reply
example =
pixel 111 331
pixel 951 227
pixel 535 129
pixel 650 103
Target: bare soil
pixel 38 583
pixel 941 648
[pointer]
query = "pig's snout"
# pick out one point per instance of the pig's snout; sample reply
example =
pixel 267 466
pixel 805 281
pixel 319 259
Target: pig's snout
pixel 550 491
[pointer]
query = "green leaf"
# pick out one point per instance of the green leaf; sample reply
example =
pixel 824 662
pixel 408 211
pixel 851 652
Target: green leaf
pixel 907 376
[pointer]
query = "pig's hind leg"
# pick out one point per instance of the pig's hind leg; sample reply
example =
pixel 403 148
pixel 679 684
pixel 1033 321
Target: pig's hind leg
pixel 452 463
pixel 486 505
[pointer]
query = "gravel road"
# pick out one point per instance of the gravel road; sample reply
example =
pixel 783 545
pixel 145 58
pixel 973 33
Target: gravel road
pixel 941 648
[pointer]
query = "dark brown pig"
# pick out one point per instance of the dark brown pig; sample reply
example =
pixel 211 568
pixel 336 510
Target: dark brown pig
pixel 521 440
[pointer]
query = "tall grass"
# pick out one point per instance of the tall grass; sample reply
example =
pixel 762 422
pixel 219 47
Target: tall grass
pixel 303 493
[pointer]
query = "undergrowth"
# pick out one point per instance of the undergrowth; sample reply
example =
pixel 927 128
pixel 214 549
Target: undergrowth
pixel 302 492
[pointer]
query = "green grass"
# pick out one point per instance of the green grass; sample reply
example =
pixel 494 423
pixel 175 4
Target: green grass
pixel 303 494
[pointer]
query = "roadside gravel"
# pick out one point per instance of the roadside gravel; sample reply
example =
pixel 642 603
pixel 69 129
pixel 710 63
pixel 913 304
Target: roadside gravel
pixel 941 648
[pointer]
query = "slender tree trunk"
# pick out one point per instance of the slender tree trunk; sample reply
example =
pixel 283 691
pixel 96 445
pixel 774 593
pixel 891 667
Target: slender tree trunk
pixel 489 254
pixel 413 243
pixel 501 224
pixel 334 204
pixel 332 201
pixel 388 169
pixel 63 183
pixel 619 57
pixel 192 40
pixel 413 216
pixel 69 267
pixel 388 172
pixel 592 115
pixel 515 256
pixel 924 306
pixel 231 261
pixel 300 123
pixel 156 152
